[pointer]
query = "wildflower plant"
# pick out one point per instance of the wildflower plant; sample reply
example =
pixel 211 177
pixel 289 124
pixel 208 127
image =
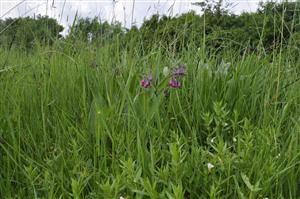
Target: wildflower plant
pixel 157 88
pixel 173 77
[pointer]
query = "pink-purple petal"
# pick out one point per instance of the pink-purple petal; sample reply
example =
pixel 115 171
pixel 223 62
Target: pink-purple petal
pixel 173 83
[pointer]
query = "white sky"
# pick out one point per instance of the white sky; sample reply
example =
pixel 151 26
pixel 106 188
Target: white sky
pixel 128 12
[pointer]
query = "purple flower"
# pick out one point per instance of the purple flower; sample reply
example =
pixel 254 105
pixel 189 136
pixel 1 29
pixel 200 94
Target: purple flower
pixel 149 77
pixel 146 82
pixel 180 71
pixel 173 83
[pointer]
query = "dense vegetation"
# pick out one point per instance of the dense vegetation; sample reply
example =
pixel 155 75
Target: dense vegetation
pixel 26 33
pixel 76 121
pixel 273 26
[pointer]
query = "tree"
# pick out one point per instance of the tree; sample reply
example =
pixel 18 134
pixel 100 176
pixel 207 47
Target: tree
pixel 28 32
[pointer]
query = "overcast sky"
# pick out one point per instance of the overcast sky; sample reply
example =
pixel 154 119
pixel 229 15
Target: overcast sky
pixel 128 12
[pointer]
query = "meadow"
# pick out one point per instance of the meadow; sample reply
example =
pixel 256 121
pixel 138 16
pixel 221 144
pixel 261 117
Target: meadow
pixel 83 127
pixel 77 121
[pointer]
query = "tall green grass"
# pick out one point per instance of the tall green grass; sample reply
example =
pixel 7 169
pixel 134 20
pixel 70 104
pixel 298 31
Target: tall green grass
pixel 75 123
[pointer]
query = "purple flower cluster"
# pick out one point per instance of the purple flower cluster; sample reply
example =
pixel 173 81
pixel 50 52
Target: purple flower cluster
pixel 177 73
pixel 180 71
pixel 174 82
pixel 146 82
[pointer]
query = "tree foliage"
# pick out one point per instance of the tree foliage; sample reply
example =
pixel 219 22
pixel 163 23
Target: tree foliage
pixel 273 24
pixel 93 30
pixel 28 32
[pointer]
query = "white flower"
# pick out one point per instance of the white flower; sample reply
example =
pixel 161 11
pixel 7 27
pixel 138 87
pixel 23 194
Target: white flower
pixel 234 139
pixel 122 197
pixel 213 140
pixel 166 71
pixel 210 166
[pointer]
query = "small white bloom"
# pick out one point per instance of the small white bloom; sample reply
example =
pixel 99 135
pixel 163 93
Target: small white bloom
pixel 122 197
pixel 213 140
pixel 166 71
pixel 234 139
pixel 210 166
